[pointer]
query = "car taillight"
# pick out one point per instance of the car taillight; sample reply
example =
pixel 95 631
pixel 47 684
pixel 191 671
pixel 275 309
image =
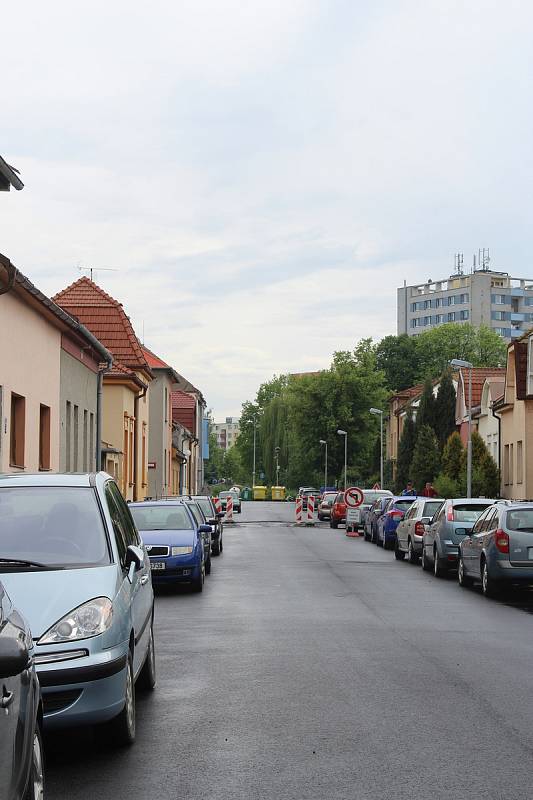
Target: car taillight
pixel 501 540
pixel 419 529
pixel 449 513
pixel 395 514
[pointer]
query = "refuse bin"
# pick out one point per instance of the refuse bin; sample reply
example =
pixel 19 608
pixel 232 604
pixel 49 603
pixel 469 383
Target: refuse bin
pixel 246 493
pixel 260 492
pixel 278 493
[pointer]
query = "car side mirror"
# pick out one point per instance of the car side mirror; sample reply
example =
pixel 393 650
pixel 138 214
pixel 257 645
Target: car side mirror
pixel 221 514
pixel 204 529
pixel 425 520
pixel 135 556
pixel 212 521
pixel 14 657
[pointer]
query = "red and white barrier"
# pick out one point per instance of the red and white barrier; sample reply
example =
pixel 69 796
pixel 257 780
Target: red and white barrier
pixel 299 510
pixel 229 508
pixel 218 504
pixel 311 510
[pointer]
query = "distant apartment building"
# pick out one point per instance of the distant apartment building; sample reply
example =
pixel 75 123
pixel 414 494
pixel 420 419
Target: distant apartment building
pixel 226 432
pixel 484 296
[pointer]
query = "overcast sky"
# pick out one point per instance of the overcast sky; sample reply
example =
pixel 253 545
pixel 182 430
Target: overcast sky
pixel 263 175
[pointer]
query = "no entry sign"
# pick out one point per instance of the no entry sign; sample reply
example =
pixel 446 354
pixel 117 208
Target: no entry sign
pixel 353 497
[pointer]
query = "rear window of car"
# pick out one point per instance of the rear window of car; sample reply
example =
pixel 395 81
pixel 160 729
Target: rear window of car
pixel 161 518
pixel 520 520
pixel 403 505
pixel 329 499
pixel 431 507
pixel 54 525
pixel 468 513
pixel 205 505
pixel 372 496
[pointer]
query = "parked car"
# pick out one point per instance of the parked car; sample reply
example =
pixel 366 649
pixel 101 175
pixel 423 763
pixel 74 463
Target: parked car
pixel 369 498
pixel 337 514
pixel 392 515
pixel 74 563
pixel 373 514
pixel 499 549
pixel 201 522
pixel 411 529
pixel 213 519
pixel 442 537
pixel 324 509
pixel 174 540
pixel 223 496
pixel 308 491
pixel 21 747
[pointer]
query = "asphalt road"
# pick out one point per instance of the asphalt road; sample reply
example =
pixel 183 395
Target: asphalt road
pixel 317 667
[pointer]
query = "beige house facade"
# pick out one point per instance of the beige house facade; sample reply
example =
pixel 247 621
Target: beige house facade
pixel 516 413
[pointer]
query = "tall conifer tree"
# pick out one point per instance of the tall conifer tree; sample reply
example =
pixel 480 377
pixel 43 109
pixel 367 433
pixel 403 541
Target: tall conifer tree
pixel 445 409
pixel 406 446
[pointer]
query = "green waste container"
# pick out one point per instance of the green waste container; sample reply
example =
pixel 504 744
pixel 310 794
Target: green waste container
pixel 246 493
pixel 260 492
pixel 278 493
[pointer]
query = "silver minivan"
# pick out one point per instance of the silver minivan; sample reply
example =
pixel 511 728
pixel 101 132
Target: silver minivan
pixel 411 529
pixel 442 537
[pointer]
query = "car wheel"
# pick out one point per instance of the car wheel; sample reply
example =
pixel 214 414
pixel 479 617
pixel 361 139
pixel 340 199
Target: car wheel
pixel 488 586
pixel 147 676
pixel 215 550
pixel 385 544
pixel 438 570
pixel 208 566
pixel 464 579
pixel 121 729
pixel 411 555
pixel 399 555
pixel 198 583
pixel 333 524
pixel 220 545
pixel 35 790
pixel 424 561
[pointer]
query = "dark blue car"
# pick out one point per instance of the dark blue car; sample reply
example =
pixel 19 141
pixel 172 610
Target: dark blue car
pixel 389 520
pixel 174 541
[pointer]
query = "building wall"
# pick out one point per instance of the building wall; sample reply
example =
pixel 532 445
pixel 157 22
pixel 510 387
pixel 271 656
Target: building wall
pixel 143 434
pixel 29 367
pixel 117 422
pixel 78 390
pixel 161 479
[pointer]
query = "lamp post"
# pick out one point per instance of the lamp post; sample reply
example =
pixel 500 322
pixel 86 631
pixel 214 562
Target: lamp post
pixel 276 451
pixel 459 364
pixel 343 433
pixel 253 473
pixel 323 441
pixel 379 412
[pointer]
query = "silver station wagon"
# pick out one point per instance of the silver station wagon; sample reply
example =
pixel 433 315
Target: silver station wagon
pixel 74 564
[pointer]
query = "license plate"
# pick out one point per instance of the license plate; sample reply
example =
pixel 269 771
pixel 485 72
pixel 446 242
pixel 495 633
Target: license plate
pixel 157 565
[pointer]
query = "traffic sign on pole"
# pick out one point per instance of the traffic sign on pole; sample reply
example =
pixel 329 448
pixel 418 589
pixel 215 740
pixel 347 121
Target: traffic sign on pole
pixel 376 487
pixel 353 497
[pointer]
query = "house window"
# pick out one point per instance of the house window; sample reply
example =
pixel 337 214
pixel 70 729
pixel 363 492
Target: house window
pixel 44 437
pixel 76 437
pixel 451 316
pixel 506 465
pixel 126 449
pixel 68 422
pixel 464 314
pixel 499 299
pixel 519 463
pixel 144 465
pixel 511 463
pixel 530 365
pixel 18 430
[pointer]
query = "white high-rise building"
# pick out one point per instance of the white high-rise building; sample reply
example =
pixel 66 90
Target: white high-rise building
pixel 226 432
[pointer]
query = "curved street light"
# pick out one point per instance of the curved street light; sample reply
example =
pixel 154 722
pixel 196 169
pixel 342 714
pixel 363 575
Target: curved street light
pixel 345 434
pixel 460 364
pixel 378 412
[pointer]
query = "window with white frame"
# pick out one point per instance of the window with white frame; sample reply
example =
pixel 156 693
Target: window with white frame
pixel 530 365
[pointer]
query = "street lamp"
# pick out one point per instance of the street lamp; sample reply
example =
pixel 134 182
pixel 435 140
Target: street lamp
pixel 323 441
pixel 253 473
pixel 379 412
pixel 276 451
pixel 343 433
pixel 459 364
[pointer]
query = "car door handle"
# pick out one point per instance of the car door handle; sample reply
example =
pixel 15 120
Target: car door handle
pixel 7 699
pixel 144 580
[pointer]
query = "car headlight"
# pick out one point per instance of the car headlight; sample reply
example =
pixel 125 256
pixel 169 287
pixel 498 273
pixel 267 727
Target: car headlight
pixel 89 619
pixel 181 551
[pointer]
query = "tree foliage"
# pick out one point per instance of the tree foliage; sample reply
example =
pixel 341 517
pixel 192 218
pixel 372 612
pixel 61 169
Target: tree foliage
pixel 425 414
pixel 426 459
pixel 452 457
pixel 445 409
pixel 396 357
pixel 406 446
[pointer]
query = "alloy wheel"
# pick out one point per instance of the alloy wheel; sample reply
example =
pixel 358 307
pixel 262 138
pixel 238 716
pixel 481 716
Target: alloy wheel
pixel 37 771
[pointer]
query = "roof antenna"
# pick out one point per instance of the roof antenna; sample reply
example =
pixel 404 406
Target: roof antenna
pixel 90 270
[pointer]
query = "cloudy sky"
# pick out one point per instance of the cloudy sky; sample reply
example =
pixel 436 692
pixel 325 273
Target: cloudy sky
pixel 263 175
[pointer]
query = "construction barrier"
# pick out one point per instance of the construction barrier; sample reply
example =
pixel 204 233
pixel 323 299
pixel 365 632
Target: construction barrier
pixel 217 504
pixel 310 510
pixel 299 507
pixel 229 509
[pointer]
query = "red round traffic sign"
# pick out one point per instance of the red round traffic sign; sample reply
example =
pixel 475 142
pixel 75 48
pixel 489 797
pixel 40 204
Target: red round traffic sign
pixel 353 497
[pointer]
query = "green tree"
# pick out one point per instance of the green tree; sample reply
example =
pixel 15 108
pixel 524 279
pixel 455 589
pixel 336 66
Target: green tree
pixel 445 409
pixel 396 357
pixel 425 414
pixel 426 459
pixel 491 476
pixel 446 487
pixel 485 475
pixel 452 457
pixel 482 346
pixel 232 467
pixel 406 445
pixel 214 464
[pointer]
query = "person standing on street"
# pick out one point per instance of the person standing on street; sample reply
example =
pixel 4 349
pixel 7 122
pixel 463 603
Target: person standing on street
pixel 409 490
pixel 429 491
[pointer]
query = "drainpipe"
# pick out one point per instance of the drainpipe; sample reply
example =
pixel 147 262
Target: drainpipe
pixel 496 416
pixel 135 442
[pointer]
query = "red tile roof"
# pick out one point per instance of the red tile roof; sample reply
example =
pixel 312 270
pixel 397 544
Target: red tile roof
pixel 479 375
pixel 154 361
pixel 106 319
pixel 182 400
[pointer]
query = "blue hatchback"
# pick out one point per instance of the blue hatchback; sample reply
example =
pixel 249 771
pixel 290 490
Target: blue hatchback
pixel 174 541
pixel 389 520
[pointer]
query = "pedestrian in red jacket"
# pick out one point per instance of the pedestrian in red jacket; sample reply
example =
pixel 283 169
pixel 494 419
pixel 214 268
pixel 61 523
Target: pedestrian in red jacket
pixel 429 491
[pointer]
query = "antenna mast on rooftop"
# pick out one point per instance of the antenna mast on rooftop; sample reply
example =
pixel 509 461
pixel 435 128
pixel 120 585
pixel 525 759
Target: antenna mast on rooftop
pixel 90 270
pixel 458 265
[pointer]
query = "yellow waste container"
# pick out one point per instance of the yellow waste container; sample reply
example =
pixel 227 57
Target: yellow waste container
pixel 260 492
pixel 278 493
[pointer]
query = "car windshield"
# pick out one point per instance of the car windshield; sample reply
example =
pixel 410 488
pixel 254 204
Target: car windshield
pixel 329 499
pixel 161 518
pixel 431 507
pixel 520 520
pixel 468 513
pixel 205 505
pixel 59 526
pixel 309 492
pixel 223 495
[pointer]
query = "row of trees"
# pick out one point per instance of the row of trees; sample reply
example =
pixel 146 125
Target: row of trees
pixel 293 413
